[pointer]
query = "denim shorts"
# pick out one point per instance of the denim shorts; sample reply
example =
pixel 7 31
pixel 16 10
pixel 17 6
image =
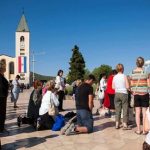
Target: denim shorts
pixel 85 118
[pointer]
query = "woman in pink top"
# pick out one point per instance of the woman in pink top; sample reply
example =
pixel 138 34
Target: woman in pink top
pixel 44 90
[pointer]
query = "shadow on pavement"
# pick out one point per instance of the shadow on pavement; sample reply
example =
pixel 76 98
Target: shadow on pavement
pixel 104 126
pixel 26 143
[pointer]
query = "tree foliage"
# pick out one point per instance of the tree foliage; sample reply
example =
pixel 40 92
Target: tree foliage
pixel 87 73
pixel 102 69
pixel 77 65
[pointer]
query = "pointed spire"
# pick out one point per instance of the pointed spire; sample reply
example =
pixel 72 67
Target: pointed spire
pixel 23 10
pixel 23 27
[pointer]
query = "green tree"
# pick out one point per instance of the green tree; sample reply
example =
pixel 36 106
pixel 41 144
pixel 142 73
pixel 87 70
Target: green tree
pixel 102 69
pixel 87 72
pixel 77 65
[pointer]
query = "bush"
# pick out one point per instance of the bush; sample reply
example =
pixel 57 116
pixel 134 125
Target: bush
pixel 69 90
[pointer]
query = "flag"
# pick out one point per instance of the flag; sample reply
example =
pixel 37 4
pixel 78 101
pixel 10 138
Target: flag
pixel 22 64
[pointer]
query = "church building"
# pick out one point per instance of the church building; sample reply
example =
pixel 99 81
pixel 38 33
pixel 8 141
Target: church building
pixel 20 64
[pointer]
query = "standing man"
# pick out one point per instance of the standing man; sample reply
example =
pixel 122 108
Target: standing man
pixel 16 90
pixel 3 95
pixel 84 106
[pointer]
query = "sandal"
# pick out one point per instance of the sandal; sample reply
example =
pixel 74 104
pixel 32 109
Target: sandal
pixel 144 133
pixel 126 128
pixel 117 127
pixel 138 132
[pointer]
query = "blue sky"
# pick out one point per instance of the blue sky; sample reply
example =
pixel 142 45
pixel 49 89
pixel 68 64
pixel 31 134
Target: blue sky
pixel 106 31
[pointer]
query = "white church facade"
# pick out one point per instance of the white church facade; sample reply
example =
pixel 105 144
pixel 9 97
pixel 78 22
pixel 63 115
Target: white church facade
pixel 20 64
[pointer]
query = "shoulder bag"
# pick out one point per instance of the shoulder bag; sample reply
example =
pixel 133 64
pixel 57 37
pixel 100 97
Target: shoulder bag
pixel 53 110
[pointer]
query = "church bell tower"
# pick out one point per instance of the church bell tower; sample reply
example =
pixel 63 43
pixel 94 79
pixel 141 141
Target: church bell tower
pixel 23 51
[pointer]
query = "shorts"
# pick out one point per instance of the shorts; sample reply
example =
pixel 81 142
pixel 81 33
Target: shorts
pixel 85 119
pixel 141 100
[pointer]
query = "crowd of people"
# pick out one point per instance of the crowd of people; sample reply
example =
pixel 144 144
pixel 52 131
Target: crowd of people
pixel 120 90
pixel 113 91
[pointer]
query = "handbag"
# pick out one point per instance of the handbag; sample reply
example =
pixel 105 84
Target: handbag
pixel 132 100
pixel 53 110
pixel 101 94
pixel 132 95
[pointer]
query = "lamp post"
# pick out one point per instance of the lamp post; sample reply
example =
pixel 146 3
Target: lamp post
pixel 33 62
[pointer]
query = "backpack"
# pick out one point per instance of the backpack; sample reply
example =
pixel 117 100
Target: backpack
pixel 59 123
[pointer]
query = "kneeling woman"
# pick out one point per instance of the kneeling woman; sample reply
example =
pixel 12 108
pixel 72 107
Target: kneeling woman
pixel 35 101
pixel 46 121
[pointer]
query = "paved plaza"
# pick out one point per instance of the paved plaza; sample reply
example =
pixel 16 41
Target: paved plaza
pixel 104 137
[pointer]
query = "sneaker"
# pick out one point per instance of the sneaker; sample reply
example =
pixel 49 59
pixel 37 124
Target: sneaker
pixel 63 130
pixel 72 120
pixel 70 130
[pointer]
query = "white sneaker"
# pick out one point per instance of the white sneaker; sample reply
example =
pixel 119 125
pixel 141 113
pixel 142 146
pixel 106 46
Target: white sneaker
pixel 64 129
pixel 70 130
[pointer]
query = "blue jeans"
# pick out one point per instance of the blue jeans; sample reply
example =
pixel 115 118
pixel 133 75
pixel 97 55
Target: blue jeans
pixel 85 119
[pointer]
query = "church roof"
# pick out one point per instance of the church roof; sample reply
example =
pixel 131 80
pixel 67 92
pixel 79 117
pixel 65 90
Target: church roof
pixel 23 27
pixel 4 55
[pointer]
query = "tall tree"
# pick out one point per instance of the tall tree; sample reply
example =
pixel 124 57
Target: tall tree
pixel 77 65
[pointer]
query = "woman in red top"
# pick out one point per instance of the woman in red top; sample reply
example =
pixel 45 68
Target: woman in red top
pixel 110 92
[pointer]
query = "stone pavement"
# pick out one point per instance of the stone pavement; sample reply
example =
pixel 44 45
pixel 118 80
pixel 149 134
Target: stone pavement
pixel 104 137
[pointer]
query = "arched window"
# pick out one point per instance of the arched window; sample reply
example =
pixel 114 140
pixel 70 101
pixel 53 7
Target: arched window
pixel 11 68
pixel 3 61
pixel 22 39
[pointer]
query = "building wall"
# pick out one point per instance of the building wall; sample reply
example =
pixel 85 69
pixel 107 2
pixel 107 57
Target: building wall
pixel 22 58
pixel 8 61
pixel 23 51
